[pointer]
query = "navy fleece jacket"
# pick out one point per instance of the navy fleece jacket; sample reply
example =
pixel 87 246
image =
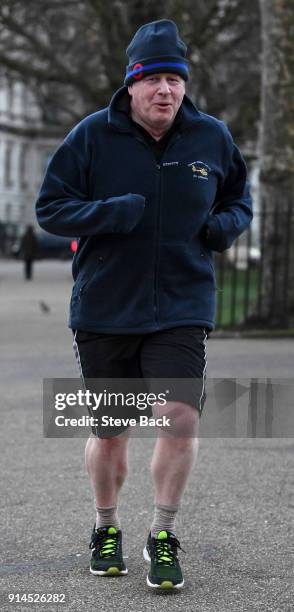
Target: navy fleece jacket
pixel 144 262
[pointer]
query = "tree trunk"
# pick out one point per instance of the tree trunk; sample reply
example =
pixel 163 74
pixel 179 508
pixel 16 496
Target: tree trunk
pixel 275 307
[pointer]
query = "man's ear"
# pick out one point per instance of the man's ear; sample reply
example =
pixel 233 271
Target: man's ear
pixel 130 88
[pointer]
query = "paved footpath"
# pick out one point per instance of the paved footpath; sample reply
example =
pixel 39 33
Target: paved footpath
pixel 236 518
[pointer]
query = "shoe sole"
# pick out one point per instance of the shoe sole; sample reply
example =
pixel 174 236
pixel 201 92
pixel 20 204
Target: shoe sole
pixel 165 584
pixel 111 571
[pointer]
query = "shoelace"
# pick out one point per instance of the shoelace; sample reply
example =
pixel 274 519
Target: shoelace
pixel 108 546
pixel 166 551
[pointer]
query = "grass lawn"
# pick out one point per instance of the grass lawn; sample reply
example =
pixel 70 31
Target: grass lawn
pixel 231 295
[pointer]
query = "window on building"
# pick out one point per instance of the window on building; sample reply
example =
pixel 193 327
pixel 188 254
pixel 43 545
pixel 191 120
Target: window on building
pixel 8 211
pixel 21 214
pixel 10 96
pixel 44 156
pixel 8 182
pixel 23 165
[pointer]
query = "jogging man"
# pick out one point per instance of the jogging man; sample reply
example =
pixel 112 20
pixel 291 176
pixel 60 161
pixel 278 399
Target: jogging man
pixel 151 186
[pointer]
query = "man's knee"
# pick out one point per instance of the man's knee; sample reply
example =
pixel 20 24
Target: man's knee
pixel 113 445
pixel 183 419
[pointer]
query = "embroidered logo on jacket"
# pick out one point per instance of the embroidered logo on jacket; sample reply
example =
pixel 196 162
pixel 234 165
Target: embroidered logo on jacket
pixel 200 170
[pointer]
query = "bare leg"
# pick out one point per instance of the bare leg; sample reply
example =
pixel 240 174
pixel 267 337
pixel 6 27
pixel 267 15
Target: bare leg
pixel 174 455
pixel 106 462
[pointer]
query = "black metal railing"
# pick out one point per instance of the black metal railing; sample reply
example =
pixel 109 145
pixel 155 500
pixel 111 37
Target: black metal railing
pixel 258 264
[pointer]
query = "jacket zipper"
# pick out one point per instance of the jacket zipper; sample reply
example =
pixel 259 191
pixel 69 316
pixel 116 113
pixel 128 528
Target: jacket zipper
pixel 158 178
pixel 156 266
pixel 160 167
pixel 155 287
pixel 81 290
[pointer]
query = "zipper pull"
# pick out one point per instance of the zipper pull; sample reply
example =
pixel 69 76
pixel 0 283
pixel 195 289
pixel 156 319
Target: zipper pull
pixel 81 291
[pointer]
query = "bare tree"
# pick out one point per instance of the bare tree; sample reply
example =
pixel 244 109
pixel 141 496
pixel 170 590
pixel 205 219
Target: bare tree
pixel 54 47
pixel 224 47
pixel 276 300
pixel 72 53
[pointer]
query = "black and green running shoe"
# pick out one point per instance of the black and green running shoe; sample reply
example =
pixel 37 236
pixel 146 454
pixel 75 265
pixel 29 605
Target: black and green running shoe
pixel 165 571
pixel 106 547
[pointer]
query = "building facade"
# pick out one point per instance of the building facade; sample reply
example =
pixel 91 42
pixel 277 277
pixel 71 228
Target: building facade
pixel 26 145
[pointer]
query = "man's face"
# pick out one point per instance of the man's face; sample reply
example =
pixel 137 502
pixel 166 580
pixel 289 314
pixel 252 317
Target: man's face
pixel 156 99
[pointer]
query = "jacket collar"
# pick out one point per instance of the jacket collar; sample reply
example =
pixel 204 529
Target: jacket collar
pixel 120 104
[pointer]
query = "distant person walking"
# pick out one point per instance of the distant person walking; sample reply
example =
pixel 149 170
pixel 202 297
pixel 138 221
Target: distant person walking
pixel 28 250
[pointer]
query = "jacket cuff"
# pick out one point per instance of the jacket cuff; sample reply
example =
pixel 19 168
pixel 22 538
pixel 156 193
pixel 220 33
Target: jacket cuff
pixel 214 235
pixel 129 210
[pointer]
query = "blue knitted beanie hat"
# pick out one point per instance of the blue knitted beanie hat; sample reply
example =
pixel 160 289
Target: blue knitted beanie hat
pixel 156 47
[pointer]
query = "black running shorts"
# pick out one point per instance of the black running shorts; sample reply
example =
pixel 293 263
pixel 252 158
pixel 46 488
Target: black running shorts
pixel 178 353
